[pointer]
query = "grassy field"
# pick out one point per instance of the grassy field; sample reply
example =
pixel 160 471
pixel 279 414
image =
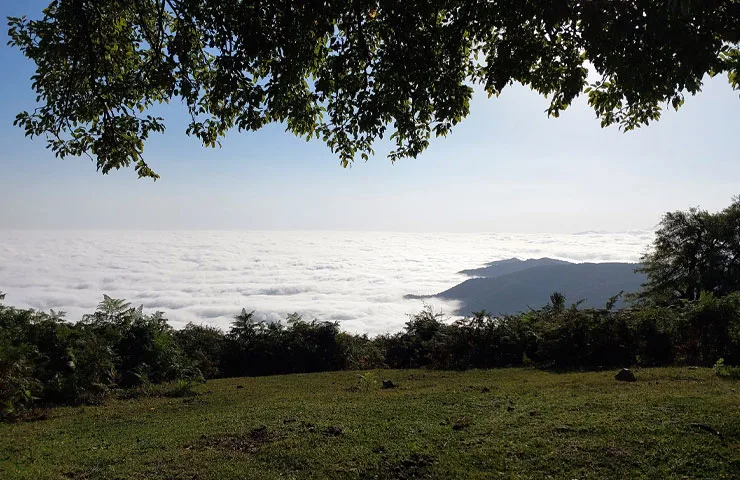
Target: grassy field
pixel 511 423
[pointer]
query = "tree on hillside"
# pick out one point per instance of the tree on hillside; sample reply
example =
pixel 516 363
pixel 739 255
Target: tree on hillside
pixel 694 251
pixel 243 327
pixel 112 308
pixel 351 71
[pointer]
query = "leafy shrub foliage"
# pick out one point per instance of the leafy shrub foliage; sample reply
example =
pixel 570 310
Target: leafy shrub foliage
pixel 298 346
pixel 46 360
pixel 726 371
pixel 204 346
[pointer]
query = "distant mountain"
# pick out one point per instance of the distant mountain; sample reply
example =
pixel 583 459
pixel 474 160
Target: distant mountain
pixel 531 287
pixel 510 265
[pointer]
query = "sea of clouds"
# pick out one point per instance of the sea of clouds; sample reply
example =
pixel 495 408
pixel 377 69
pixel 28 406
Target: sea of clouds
pixel 356 278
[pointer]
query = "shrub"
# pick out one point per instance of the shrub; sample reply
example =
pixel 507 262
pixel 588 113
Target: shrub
pixel 360 352
pixel 143 346
pixel 18 386
pixel 185 386
pixel 203 346
pixel 262 348
pixel 726 371
pixel 46 360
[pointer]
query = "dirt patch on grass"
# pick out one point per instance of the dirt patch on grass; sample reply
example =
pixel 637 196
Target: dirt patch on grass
pixel 332 432
pixel 415 466
pixel 76 474
pixel 462 423
pixel 249 443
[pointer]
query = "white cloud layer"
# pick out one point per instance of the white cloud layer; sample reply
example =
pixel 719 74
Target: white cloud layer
pixel 356 278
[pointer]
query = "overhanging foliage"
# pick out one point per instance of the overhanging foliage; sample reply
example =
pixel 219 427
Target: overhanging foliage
pixel 351 71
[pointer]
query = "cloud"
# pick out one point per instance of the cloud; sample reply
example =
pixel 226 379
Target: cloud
pixel 356 278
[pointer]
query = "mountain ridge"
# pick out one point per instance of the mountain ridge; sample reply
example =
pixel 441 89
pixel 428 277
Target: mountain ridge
pixel 530 287
pixel 499 268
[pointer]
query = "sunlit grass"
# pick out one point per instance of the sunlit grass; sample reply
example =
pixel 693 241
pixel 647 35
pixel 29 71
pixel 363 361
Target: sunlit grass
pixel 509 423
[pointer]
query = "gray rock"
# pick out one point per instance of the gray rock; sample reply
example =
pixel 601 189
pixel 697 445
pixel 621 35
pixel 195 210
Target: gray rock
pixel 625 375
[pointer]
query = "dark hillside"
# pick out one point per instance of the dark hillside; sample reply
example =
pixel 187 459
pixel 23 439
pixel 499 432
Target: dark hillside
pixel 531 287
pixel 499 268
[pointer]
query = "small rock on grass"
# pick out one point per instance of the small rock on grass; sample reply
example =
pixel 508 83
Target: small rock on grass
pixel 625 375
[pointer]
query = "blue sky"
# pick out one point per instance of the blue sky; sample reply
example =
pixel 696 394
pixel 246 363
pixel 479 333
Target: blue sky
pixel 506 168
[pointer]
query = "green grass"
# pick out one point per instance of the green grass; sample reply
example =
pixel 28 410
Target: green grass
pixel 510 423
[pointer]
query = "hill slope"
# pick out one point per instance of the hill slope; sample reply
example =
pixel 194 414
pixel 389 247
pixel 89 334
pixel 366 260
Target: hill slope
pixel 511 265
pixel 509 423
pixel 531 287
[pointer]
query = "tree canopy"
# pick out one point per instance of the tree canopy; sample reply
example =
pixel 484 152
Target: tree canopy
pixel 351 71
pixel 694 252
